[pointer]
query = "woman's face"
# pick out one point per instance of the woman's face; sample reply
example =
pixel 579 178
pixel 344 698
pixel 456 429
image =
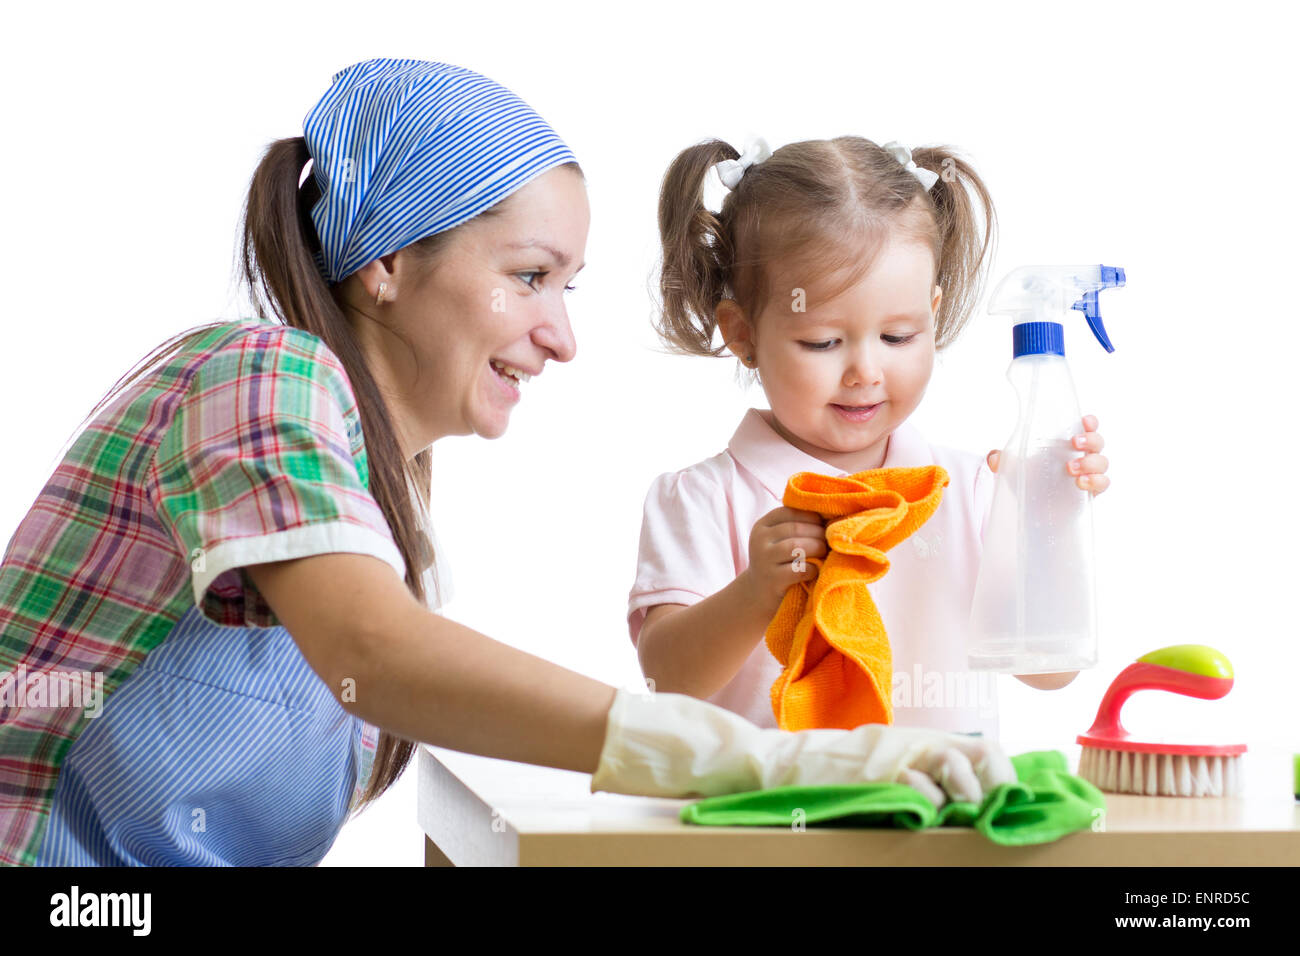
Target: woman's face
pixel 871 345
pixel 494 294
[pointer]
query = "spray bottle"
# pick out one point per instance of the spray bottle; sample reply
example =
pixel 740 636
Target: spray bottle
pixel 1034 607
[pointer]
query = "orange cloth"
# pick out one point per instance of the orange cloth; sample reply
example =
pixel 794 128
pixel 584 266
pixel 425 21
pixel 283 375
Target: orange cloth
pixel 827 633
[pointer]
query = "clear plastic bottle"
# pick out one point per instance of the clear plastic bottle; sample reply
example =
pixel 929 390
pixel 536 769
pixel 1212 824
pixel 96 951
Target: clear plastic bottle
pixel 1034 607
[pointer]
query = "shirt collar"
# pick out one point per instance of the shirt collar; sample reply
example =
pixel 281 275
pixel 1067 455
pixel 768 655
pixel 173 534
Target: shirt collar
pixel 764 453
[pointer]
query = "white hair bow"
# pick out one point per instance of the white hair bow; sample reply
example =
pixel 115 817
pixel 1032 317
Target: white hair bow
pixel 904 156
pixel 730 170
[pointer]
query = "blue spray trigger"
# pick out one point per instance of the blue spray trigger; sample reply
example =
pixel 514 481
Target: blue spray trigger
pixel 1111 276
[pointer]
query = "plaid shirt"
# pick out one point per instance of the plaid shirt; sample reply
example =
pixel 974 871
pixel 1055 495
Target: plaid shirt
pixel 244 446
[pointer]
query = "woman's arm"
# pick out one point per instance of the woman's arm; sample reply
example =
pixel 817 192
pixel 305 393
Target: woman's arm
pixel 425 677
pixel 696 650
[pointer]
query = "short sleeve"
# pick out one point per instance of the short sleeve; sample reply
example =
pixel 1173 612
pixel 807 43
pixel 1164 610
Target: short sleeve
pixel 263 460
pixel 985 482
pixel 685 553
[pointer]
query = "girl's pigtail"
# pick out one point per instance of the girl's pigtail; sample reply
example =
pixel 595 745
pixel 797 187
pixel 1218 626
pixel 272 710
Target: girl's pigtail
pixel 697 252
pixel 964 248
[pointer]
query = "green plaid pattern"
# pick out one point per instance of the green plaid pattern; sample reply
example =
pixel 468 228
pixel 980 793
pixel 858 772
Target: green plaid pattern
pixel 242 447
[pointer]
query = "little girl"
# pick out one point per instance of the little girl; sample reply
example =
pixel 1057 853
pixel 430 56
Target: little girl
pixel 834 271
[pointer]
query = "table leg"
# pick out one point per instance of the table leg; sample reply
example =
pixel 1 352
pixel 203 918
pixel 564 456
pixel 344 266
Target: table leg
pixel 433 856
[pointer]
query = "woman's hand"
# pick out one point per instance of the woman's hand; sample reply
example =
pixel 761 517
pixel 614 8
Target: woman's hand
pixel 1090 468
pixel 774 564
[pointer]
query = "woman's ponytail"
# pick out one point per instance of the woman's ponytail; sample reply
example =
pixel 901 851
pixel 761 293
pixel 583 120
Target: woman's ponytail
pixel 279 268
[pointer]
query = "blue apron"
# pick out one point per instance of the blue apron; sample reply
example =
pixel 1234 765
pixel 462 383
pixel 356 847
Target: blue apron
pixel 222 748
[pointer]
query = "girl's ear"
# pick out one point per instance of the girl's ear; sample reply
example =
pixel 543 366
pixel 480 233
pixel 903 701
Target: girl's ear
pixel 735 329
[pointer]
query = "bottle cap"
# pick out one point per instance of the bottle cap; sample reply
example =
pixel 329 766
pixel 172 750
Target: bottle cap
pixel 1037 338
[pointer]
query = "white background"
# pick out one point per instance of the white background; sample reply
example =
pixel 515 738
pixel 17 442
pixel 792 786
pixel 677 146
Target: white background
pixel 1161 138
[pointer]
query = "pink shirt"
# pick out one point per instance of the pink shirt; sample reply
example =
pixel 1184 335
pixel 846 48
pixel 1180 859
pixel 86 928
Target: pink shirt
pixel 695 541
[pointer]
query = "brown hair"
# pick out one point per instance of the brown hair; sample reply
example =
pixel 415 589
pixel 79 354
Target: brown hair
pixel 277 265
pixel 827 203
pixel 279 240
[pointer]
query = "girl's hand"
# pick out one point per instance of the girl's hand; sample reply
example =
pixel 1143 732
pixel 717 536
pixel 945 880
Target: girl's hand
pixel 1090 468
pixel 772 557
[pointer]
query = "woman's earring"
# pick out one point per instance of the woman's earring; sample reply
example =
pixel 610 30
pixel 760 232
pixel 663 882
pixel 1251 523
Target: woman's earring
pixel 383 287
pixel 749 360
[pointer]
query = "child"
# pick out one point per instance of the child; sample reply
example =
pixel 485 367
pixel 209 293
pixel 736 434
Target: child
pixel 834 270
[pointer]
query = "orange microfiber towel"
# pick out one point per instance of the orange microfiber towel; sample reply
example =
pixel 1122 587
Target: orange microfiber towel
pixel 827 634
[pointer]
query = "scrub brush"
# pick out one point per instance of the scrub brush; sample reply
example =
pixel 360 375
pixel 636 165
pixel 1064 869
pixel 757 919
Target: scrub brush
pixel 1115 762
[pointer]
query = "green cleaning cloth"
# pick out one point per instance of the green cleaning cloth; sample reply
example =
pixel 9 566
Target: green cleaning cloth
pixel 1045 803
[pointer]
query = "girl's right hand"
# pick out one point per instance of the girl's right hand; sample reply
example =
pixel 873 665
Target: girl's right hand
pixel 772 554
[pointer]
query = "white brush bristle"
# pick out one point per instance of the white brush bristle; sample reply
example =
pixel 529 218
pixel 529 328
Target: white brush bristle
pixel 1161 775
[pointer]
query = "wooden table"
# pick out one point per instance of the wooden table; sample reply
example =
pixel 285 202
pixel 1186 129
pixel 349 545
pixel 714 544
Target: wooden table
pixel 478 811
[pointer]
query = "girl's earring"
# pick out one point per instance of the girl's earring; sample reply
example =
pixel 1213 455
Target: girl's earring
pixel 749 360
pixel 383 287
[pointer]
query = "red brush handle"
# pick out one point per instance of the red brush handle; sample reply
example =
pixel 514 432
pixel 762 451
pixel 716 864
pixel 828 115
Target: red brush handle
pixel 1146 676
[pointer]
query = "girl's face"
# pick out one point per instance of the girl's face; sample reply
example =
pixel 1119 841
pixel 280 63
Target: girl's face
pixel 873 345
pixel 495 294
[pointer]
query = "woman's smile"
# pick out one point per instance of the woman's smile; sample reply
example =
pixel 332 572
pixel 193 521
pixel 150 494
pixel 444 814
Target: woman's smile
pixel 508 385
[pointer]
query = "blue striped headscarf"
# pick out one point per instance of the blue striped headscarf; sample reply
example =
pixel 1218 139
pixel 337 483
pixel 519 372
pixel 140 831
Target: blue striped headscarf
pixel 402 149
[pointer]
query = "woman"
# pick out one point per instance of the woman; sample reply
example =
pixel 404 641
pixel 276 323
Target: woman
pixel 218 547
